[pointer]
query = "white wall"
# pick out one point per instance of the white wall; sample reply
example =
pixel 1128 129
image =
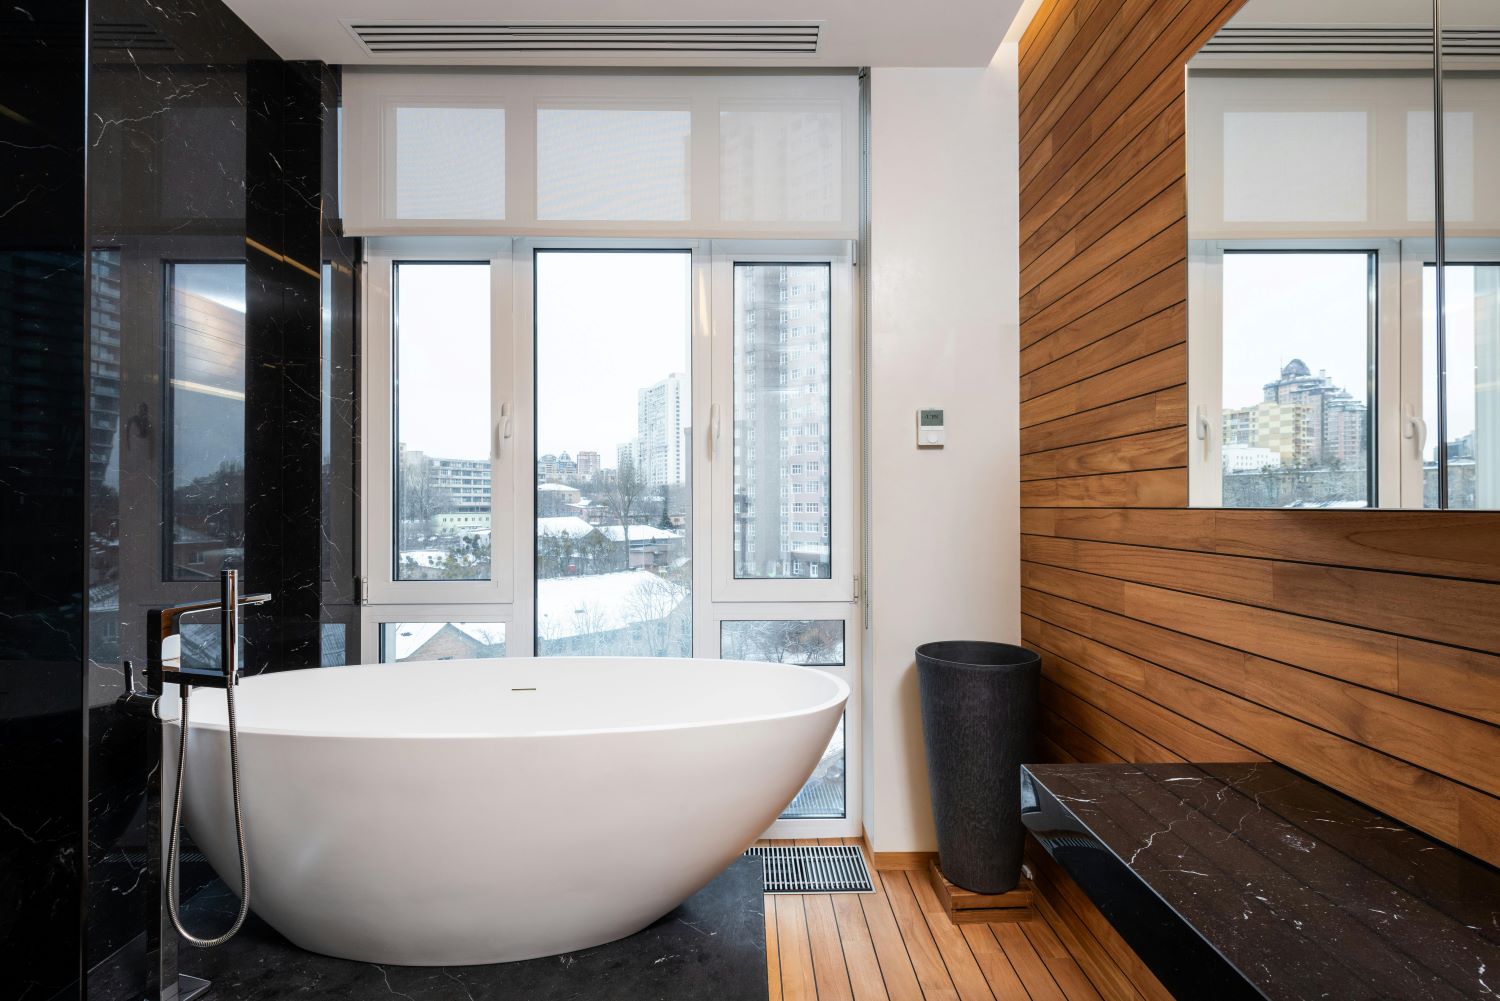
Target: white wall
pixel 945 549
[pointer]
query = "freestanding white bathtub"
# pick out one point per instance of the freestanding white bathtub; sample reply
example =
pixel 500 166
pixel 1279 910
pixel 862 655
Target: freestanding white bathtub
pixel 484 811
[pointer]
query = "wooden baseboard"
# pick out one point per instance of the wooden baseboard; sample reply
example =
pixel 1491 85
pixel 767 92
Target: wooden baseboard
pixel 886 861
pixel 916 861
pixel 968 907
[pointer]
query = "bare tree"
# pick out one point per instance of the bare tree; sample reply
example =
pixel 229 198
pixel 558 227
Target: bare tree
pixel 660 617
pixel 623 496
pixel 420 498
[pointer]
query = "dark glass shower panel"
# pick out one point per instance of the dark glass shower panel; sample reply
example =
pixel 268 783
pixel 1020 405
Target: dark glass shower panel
pixel 44 442
pixel 166 126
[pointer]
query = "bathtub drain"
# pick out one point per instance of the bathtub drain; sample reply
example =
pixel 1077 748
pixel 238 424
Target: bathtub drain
pixel 814 868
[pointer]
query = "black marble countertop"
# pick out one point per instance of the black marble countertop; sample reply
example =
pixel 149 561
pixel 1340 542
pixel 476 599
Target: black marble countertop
pixel 1297 891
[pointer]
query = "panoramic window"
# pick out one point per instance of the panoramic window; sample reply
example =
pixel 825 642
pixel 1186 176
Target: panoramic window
pixel 782 434
pixel 442 421
pixel 614 560
pixel 1298 331
pixel 556 380
pixel 205 305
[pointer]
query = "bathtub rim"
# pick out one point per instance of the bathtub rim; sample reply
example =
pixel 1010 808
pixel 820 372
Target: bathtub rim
pixel 841 698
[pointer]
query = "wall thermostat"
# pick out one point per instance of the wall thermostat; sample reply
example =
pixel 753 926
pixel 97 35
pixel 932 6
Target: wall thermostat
pixel 930 430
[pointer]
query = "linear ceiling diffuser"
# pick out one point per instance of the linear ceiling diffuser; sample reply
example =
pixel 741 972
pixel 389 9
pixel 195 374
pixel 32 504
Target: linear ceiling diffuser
pixel 435 39
pixel 1345 40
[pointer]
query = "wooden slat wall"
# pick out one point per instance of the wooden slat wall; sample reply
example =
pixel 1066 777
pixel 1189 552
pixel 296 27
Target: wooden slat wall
pixel 1360 648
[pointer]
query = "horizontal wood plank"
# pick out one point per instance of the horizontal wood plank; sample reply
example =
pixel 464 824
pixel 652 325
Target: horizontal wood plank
pixel 1159 488
pixel 1153 412
pixel 1153 334
pixel 1164 449
pixel 1156 294
pixel 1162 370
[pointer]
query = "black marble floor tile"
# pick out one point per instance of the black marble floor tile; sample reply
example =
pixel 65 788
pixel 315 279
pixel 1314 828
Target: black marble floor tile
pixel 1252 881
pixel 712 948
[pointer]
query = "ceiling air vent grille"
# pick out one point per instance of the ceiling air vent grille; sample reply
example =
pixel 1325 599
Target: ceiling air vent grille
pixel 1342 40
pixel 134 35
pixel 554 39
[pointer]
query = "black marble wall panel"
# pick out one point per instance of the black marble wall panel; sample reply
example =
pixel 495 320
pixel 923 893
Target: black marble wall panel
pixel 43 282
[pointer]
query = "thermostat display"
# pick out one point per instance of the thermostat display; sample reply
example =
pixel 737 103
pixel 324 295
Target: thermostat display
pixel 931 432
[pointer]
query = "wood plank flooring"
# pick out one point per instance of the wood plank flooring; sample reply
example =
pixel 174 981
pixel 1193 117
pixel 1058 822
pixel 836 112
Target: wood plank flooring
pixel 897 944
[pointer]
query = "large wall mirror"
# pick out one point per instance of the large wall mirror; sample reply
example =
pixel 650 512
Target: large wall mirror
pixel 1344 312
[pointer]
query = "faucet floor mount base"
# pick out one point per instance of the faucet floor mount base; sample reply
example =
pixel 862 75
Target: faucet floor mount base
pixel 188 989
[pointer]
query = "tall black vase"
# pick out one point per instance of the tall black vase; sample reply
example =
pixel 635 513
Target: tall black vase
pixel 979 707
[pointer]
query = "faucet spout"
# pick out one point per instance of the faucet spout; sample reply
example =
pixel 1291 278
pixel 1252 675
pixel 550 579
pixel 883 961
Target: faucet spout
pixel 165 623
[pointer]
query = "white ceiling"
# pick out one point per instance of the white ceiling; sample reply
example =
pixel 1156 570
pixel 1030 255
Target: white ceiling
pixel 854 32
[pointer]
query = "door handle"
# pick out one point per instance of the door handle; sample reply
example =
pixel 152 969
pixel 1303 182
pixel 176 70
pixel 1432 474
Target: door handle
pixel 1414 428
pixel 502 430
pixel 1202 429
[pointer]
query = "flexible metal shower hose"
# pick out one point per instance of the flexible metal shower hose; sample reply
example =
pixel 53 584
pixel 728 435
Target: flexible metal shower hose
pixel 239 827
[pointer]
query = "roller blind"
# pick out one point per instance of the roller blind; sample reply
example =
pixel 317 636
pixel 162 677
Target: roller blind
pixel 443 152
pixel 1337 155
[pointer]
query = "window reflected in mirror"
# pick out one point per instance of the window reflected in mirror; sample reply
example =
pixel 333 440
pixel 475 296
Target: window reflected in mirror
pixel 1319 373
pixel 205 362
pixel 1294 419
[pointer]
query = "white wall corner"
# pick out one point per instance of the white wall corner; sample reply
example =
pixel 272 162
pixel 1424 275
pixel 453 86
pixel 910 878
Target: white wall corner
pixel 945 524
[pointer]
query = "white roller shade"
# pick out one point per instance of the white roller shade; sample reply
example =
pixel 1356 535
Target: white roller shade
pixel 716 155
pixel 1329 154
pixel 449 163
pixel 618 164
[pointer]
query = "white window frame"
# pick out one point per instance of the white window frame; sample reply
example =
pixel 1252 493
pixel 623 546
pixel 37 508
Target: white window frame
pixel 850 825
pixel 377 616
pixel 843 482
pixel 1206 360
pixel 1411 426
pixel 524 256
pixel 378 446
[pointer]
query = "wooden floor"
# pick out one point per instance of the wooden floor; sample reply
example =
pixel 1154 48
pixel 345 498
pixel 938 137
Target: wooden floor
pixel 898 944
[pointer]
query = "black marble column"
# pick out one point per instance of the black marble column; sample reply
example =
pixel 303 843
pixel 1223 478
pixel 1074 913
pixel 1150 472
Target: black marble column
pixel 43 283
pixel 291 104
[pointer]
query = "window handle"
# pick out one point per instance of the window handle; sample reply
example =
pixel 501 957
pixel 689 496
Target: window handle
pixel 713 431
pixel 1201 427
pixel 1414 427
pixel 502 430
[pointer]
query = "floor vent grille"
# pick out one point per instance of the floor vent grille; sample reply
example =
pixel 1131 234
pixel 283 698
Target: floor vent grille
pixel 429 39
pixel 814 868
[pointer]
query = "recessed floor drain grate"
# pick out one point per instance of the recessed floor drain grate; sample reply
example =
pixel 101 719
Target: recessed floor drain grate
pixel 814 868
